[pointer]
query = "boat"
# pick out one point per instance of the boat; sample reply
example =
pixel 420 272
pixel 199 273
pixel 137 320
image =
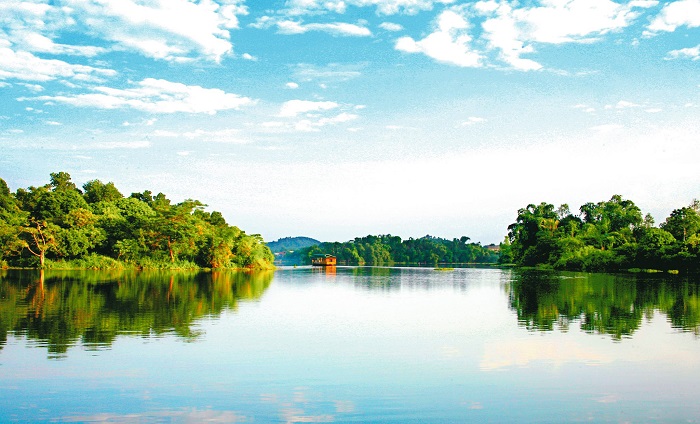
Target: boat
pixel 321 259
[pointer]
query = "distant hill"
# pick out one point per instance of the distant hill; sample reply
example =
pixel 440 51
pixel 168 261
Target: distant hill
pixel 291 243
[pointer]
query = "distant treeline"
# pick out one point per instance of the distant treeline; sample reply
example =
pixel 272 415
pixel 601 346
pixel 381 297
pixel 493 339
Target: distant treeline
pixel 291 243
pixel 59 225
pixel 387 250
pixel 605 236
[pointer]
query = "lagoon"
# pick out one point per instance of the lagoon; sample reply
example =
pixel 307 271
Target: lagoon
pixel 349 344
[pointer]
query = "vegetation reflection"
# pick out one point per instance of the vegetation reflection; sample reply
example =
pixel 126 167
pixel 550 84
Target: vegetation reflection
pixel 59 308
pixel 602 303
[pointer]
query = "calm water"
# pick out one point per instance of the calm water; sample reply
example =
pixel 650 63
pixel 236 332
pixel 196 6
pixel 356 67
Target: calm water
pixel 356 344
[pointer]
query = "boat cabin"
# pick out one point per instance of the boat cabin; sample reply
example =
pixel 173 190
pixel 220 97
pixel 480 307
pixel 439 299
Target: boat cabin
pixel 321 259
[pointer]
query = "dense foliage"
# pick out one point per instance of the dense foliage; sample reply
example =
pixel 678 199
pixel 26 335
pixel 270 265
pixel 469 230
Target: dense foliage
pixel 291 243
pixel 386 250
pixel 605 236
pixel 98 227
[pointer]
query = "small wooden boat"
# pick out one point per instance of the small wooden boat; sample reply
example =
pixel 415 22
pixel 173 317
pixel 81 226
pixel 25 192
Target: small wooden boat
pixel 321 259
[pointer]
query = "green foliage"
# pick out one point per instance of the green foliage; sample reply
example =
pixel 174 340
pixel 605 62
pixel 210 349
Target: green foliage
pixel 387 250
pixel 606 236
pixel 291 243
pixel 58 225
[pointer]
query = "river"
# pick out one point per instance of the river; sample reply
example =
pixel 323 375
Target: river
pixel 349 344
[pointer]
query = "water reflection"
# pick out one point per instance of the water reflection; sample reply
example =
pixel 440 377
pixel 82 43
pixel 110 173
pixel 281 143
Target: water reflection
pixel 603 303
pixel 59 308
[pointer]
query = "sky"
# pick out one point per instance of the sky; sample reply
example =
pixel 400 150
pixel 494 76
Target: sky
pixel 335 119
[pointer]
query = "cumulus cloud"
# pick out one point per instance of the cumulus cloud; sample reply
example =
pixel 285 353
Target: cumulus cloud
pixel 292 85
pixel 173 30
pixel 154 96
pixel 383 7
pixel 514 31
pixel 291 27
pixel 38 43
pixel 472 120
pixel 310 125
pixel 676 14
pixel 25 66
pixel 295 107
pixel 687 53
pixel 389 26
pixel 328 73
pixel 449 43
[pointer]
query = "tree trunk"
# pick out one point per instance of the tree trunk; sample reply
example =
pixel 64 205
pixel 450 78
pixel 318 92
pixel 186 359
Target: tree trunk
pixel 170 250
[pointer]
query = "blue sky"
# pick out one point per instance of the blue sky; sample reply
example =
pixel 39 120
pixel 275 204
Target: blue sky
pixel 334 119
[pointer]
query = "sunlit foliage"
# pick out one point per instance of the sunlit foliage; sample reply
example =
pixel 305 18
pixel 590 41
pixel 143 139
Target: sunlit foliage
pixel 58 225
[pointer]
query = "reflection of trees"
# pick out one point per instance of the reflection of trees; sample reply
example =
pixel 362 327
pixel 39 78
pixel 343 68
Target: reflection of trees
pixel 603 303
pixel 61 307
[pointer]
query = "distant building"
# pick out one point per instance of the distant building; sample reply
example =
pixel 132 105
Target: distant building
pixel 321 259
pixel 493 247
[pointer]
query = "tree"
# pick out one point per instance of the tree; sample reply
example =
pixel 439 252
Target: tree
pixel 61 181
pixel 534 224
pixel 40 238
pixel 682 223
pixel 97 191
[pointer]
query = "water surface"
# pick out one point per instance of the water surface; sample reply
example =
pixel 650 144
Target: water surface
pixel 350 344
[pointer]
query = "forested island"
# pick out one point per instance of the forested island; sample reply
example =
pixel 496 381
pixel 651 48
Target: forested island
pixel 388 250
pixel 610 235
pixel 58 225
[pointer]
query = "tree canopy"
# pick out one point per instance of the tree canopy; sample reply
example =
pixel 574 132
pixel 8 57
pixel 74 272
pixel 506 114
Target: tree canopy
pixel 605 236
pixel 386 250
pixel 57 223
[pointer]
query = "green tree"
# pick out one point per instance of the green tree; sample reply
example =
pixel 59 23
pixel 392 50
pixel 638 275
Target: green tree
pixel 97 191
pixel 683 223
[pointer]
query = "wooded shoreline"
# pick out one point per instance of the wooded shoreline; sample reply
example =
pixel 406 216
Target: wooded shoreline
pixel 59 226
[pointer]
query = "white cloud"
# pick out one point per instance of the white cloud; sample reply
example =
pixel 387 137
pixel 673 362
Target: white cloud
pixel 472 120
pixel 38 43
pixel 155 96
pixel 165 133
pixel 330 72
pixel 389 26
pixel 676 14
pixel 514 31
pixel 384 7
pixel 584 108
pixel 289 27
pixel 36 88
pixel 295 107
pixel 292 85
pixel 689 53
pixel 653 110
pixel 108 145
pixel 170 30
pixel 27 67
pixel 224 135
pixel 624 104
pixel 248 56
pixel 449 43
pixel 309 125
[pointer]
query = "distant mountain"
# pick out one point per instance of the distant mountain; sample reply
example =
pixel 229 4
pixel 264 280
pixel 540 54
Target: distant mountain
pixel 291 243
